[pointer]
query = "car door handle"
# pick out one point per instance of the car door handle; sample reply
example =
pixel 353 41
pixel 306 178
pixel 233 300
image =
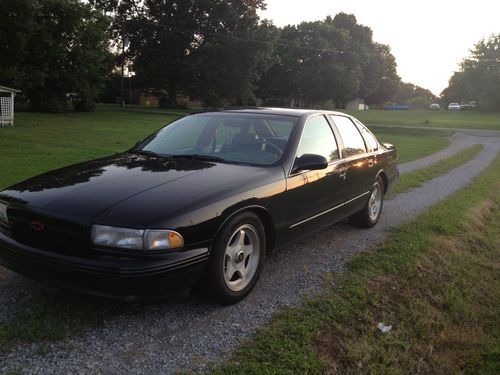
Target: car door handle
pixel 343 172
pixel 370 162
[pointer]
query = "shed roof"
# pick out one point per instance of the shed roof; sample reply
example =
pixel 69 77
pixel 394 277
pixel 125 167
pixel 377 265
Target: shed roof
pixel 8 89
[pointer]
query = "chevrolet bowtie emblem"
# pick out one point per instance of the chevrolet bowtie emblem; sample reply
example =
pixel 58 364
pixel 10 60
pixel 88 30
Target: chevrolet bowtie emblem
pixel 38 226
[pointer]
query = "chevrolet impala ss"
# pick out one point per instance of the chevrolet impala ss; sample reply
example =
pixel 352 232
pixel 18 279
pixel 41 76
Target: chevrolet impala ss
pixel 202 200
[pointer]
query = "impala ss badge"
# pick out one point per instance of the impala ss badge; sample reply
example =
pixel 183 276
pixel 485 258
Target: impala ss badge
pixel 38 226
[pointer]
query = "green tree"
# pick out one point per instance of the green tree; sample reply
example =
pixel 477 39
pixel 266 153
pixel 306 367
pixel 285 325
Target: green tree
pixel 308 67
pixel 230 62
pixel 58 47
pixel 335 59
pixel 214 50
pixel 15 30
pixel 380 79
pixel 409 93
pixel 479 76
pixel 359 51
pixel 162 37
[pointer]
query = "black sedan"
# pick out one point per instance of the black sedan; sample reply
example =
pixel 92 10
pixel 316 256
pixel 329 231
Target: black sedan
pixel 204 199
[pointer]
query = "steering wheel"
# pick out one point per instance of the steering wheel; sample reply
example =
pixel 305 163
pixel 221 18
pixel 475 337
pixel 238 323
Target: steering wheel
pixel 265 143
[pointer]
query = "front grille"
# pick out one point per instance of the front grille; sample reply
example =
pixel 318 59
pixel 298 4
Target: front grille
pixel 49 233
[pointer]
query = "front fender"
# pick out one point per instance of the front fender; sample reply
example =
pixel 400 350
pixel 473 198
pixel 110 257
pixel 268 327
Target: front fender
pixel 200 226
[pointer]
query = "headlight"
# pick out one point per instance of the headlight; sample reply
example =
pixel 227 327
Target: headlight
pixel 117 237
pixel 3 213
pixel 137 239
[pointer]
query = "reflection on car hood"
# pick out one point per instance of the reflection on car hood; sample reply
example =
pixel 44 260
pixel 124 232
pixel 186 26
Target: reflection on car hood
pixel 81 192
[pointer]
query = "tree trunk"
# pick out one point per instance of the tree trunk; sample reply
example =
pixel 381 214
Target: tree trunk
pixel 172 96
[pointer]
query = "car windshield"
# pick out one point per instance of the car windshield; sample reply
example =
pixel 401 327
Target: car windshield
pixel 255 139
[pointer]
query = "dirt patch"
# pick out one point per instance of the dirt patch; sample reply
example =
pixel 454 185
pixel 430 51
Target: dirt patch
pixel 477 214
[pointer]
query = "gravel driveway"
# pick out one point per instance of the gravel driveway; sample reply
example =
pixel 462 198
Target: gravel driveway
pixel 458 142
pixel 192 334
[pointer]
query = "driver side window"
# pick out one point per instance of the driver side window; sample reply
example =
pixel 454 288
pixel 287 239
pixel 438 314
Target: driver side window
pixel 317 138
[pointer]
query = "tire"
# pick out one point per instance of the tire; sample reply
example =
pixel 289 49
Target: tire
pixel 370 214
pixel 236 260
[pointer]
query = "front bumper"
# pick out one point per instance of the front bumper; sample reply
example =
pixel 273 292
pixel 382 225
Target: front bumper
pixel 108 276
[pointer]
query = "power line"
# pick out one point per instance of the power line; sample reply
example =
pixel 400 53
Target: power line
pixel 255 40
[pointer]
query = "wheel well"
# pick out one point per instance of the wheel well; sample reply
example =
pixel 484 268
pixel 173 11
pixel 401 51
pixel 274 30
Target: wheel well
pixel 268 225
pixel 266 219
pixel 384 178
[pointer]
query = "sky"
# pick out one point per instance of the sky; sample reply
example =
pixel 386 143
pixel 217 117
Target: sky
pixel 428 38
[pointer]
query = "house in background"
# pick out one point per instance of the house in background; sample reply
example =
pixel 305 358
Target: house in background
pixel 148 99
pixel 153 99
pixel 358 104
pixel 7 105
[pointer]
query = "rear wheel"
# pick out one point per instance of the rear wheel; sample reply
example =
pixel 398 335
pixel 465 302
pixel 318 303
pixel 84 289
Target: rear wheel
pixel 370 214
pixel 237 258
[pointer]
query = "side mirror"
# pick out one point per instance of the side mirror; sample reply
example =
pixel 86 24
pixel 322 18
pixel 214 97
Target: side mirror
pixel 389 146
pixel 309 162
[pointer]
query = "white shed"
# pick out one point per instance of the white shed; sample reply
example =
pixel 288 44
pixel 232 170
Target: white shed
pixel 357 104
pixel 7 105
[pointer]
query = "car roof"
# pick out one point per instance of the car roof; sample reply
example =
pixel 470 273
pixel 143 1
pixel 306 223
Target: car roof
pixel 295 112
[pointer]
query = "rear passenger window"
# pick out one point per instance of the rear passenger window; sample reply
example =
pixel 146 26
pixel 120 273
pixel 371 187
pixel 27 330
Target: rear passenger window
pixel 369 137
pixel 317 138
pixel 372 142
pixel 353 141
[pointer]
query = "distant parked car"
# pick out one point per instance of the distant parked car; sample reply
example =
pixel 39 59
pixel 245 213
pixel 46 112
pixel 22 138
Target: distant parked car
pixel 453 107
pixel 468 106
pixel 434 107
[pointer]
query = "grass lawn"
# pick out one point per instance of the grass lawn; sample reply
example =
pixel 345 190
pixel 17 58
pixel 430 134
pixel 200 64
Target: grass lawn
pixel 435 281
pixel 437 119
pixel 413 143
pixel 40 142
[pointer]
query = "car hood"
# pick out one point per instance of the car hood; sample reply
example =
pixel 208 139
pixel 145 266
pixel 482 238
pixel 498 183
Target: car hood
pixel 86 191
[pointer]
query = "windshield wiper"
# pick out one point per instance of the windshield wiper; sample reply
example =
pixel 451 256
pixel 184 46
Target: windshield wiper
pixel 145 152
pixel 200 157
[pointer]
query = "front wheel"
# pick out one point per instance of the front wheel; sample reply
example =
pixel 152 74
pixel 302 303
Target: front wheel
pixel 237 258
pixel 370 214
